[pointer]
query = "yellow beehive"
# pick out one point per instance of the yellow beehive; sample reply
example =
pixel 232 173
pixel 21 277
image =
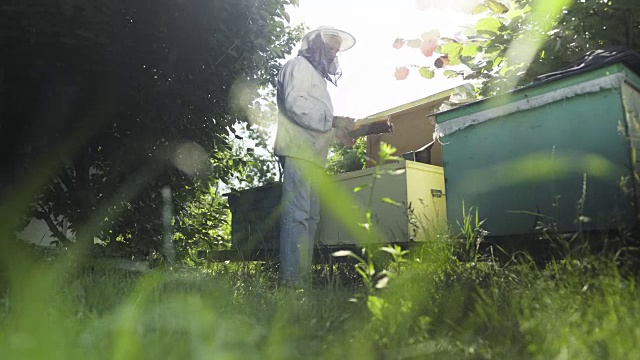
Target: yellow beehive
pixel 417 187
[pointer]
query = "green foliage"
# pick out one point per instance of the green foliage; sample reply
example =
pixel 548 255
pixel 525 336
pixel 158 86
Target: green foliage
pixel 472 234
pixel 496 7
pixel 257 165
pixel 342 159
pixel 385 154
pixel 583 26
pixel 515 41
pixel 205 225
pixel 372 278
pixel 111 101
pixel 426 73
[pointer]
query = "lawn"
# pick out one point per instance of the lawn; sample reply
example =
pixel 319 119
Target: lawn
pixel 431 304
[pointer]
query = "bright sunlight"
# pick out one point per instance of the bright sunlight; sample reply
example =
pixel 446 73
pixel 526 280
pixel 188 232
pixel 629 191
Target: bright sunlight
pixel 368 84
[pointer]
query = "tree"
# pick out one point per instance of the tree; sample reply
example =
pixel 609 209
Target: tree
pixel 252 144
pixel 105 103
pixel 515 41
pixel 343 159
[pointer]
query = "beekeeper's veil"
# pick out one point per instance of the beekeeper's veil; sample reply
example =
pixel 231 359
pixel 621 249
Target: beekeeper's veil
pixel 316 47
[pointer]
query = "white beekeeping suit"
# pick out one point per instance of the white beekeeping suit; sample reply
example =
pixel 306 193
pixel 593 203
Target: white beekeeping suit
pixel 306 128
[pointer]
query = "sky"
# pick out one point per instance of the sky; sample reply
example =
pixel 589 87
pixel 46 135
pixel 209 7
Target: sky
pixel 368 85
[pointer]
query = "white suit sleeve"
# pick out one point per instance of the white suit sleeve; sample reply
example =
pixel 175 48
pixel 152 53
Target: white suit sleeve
pixel 301 107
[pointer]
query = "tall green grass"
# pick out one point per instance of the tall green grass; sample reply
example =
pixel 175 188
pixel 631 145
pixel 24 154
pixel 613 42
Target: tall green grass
pixel 433 306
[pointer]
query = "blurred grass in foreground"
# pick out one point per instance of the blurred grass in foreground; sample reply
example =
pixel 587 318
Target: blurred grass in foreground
pixel 433 307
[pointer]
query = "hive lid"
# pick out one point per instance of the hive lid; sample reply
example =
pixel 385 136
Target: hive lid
pixel 536 95
pixel 595 59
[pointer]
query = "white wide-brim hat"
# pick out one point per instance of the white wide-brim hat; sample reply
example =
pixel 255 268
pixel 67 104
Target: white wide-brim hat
pixel 348 40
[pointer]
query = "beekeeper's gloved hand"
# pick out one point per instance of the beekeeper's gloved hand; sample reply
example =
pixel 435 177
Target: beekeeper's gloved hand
pixel 343 122
pixel 343 125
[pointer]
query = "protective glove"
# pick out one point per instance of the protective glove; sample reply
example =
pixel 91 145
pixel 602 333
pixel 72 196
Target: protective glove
pixel 343 125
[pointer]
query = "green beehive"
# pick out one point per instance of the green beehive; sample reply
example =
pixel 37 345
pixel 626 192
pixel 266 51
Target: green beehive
pixel 559 154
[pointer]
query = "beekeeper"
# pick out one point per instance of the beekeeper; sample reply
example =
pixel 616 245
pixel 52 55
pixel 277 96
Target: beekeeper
pixel 306 129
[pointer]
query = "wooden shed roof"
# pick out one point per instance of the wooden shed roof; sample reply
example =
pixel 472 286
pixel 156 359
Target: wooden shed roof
pixel 408 107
